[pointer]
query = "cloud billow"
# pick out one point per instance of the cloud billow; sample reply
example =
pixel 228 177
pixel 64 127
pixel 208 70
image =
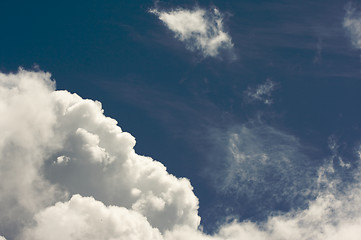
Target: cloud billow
pixel 62 145
pixel 69 172
pixel 199 29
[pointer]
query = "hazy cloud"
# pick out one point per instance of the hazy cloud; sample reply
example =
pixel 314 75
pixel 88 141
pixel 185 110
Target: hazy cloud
pixel 318 56
pixel 352 23
pixel 261 92
pixel 336 156
pixel 199 29
pixel 263 166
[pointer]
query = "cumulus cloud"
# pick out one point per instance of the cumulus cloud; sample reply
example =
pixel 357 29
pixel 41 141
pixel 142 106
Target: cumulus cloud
pixel 199 29
pixel 86 218
pixel 69 172
pixel 26 128
pixel 352 24
pixel 61 145
pixel 261 92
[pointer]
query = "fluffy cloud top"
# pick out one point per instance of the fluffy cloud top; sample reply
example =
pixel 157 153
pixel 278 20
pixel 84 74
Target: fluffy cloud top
pixel 61 145
pixel 86 218
pixel 69 172
pixel 201 30
pixel 352 23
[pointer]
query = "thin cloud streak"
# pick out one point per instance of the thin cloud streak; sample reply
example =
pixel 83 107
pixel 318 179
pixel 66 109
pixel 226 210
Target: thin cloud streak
pixel 352 24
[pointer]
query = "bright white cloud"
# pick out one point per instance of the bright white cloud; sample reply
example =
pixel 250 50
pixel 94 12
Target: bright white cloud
pixel 86 218
pixel 261 93
pixel 61 145
pixel 55 144
pixel 352 23
pixel 201 30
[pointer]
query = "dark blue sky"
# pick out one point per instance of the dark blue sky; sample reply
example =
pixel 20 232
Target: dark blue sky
pixel 182 107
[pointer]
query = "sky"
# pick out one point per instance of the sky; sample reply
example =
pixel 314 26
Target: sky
pixel 173 120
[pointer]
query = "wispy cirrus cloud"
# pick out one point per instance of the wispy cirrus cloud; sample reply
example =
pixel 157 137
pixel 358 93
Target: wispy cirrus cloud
pixel 261 92
pixel 263 166
pixel 201 30
pixel 352 24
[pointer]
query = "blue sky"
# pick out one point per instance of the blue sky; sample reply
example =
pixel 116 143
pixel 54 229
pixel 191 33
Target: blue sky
pixel 255 102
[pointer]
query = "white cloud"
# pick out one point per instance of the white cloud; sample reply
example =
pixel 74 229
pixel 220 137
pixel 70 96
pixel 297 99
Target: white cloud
pixel 332 216
pixel 261 92
pixel 55 144
pixel 86 218
pixel 201 30
pixel 26 127
pixel 61 144
pixel 352 23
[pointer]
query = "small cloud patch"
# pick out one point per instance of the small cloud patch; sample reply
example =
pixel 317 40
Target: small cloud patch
pixel 200 30
pixel 261 93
